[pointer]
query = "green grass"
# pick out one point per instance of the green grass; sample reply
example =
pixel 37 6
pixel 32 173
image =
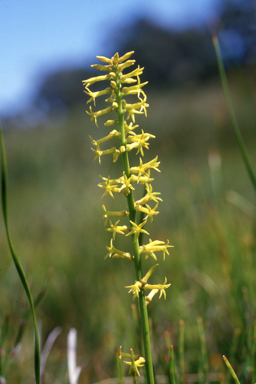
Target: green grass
pixel 55 218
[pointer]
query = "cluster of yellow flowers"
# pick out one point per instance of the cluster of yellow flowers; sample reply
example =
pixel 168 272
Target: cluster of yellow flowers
pixel 122 85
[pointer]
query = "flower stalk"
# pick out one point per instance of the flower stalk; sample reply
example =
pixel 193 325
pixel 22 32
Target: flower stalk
pixel 121 86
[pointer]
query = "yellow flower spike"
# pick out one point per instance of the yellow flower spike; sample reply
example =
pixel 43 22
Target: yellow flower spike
pixel 122 85
pixel 135 288
pixel 137 229
pixel 96 114
pixel 113 252
pixel 117 228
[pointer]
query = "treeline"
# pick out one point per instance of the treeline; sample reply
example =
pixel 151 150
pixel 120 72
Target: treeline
pixel 171 58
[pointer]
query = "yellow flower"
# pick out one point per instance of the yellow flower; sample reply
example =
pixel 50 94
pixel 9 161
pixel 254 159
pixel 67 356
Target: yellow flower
pixel 136 108
pixel 109 186
pixel 93 80
pixel 108 123
pixel 136 72
pixel 158 287
pixel 136 362
pixel 126 56
pixel 140 141
pixel 150 296
pixel 97 94
pixel 142 179
pixel 135 365
pixel 137 229
pixel 135 288
pixel 117 228
pixel 126 184
pixel 149 273
pixel 134 89
pixel 143 169
pixel 150 212
pixel 129 128
pixel 155 246
pixel 112 251
pixel 149 196
pixel 113 213
pixel 96 114
pixel 127 64
pixel 110 136
pixel 112 151
pixel 106 68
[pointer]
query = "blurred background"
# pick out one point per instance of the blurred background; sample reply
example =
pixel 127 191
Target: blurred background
pixel 208 209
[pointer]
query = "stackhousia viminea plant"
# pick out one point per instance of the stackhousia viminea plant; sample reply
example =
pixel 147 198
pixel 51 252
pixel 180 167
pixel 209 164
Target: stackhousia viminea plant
pixel 131 220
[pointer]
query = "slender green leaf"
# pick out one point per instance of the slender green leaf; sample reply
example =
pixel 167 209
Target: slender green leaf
pixel 14 255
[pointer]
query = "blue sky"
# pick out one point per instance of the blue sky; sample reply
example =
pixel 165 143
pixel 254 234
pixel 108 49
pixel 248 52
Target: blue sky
pixel 37 36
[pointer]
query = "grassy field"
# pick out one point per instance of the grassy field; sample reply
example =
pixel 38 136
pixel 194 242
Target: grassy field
pixel 57 228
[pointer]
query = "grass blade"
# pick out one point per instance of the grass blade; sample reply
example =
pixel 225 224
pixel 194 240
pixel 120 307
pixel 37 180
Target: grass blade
pixel 15 258
pixel 232 113
pixel 231 370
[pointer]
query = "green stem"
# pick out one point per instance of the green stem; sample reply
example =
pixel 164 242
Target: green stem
pixel 181 352
pixel 15 258
pixel 231 370
pixel 171 365
pixel 136 251
pixel 232 113
pixel 2 345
